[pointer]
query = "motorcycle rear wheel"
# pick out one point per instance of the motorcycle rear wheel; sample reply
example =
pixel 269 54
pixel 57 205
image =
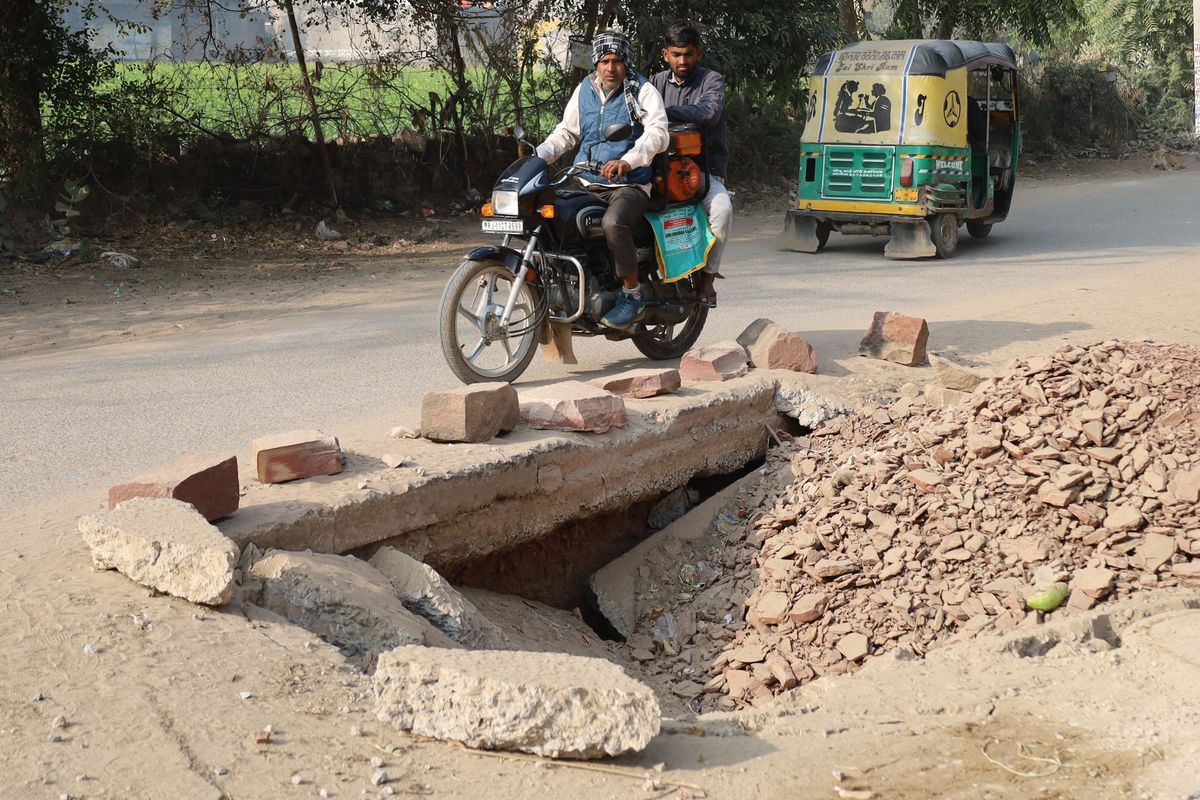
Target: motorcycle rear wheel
pixel 662 342
pixel 476 347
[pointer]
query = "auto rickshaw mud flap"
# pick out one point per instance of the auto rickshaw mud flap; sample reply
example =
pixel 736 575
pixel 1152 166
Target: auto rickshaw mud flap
pixel 910 240
pixel 799 234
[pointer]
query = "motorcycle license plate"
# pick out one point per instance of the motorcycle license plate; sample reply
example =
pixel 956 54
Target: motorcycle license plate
pixel 503 226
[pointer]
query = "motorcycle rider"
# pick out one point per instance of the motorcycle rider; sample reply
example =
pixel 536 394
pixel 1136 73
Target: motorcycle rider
pixel 696 95
pixel 615 93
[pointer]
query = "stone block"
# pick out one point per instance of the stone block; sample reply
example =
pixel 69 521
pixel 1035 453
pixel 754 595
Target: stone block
pixel 426 593
pixel 548 704
pixel 208 482
pixel 896 337
pixel 164 544
pixel 290 456
pixel 342 599
pixel 770 346
pixel 474 413
pixel 640 383
pixel 572 406
pixel 941 397
pixel 714 362
pixel 955 376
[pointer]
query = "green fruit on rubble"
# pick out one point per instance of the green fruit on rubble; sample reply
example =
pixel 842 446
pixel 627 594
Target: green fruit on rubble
pixel 1047 598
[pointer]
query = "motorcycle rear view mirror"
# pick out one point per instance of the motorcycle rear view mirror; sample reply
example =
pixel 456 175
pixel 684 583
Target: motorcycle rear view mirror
pixel 617 131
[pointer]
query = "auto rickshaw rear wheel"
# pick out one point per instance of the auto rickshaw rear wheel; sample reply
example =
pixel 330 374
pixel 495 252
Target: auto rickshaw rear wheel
pixel 979 230
pixel 944 230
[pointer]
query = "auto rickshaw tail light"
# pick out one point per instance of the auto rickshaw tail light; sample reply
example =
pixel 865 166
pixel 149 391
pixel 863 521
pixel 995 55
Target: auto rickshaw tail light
pixel 906 172
pixel 546 211
pixel 488 210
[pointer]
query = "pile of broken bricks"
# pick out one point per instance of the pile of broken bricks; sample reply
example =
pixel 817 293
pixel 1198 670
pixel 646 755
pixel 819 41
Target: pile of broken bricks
pixel 1074 477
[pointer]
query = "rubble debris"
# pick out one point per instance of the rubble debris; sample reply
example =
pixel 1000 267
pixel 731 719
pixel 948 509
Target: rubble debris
pixel 917 529
pixel 208 482
pixel 291 456
pixel 474 413
pixel 549 704
pixel 164 544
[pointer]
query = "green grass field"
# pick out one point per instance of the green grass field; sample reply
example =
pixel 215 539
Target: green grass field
pixel 267 99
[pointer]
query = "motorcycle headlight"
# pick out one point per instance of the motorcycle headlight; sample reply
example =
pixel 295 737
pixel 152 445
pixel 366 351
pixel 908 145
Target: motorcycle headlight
pixel 505 204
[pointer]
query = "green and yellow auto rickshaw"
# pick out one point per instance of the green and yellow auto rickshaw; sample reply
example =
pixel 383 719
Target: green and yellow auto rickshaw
pixel 907 139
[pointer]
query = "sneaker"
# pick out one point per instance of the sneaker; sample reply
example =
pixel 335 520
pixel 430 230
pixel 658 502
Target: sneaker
pixel 627 311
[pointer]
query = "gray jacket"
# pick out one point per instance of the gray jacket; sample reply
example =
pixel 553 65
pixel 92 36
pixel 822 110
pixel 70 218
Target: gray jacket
pixel 700 101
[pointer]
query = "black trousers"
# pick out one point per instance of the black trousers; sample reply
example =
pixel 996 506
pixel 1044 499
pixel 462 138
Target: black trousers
pixel 627 206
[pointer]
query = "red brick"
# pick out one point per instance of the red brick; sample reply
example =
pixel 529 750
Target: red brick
pixel 772 347
pixel 208 481
pixel 714 362
pixel 290 456
pixel 473 413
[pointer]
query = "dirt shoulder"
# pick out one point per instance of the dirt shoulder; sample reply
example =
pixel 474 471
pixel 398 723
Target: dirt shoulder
pixel 192 276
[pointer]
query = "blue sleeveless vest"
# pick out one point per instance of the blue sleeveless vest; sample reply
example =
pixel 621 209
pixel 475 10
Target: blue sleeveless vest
pixel 594 117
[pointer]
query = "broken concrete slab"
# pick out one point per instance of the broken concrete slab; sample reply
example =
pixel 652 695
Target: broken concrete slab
pixel 474 413
pixel 572 406
pixel 640 383
pixel 342 599
pixel 426 593
pixel 615 586
pixel 895 337
pixel 771 346
pixel 290 456
pixel 209 482
pixel 548 704
pixel 473 500
pixel 714 362
pixel 164 544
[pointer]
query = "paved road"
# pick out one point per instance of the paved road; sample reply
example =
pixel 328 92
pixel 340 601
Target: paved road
pixel 76 421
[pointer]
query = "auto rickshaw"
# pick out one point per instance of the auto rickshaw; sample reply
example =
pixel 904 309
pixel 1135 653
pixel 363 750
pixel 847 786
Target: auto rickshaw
pixel 908 139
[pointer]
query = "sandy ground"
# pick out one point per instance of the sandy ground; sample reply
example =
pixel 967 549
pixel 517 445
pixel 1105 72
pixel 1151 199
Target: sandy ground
pixel 150 688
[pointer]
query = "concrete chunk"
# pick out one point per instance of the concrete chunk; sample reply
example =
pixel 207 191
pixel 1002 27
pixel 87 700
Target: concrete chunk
pixel 773 347
pixel 290 456
pixel 714 362
pixel 548 704
pixel 895 337
pixel 473 413
pixel 345 601
pixel 209 482
pixel 164 544
pixel 423 591
pixel 572 406
pixel 640 383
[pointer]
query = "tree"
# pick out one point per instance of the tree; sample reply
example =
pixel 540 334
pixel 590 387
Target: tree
pixel 41 61
pixel 981 19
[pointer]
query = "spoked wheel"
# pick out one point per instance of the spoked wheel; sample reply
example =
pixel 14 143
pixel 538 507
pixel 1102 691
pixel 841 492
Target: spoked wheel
pixel 944 228
pixel 661 342
pixel 475 344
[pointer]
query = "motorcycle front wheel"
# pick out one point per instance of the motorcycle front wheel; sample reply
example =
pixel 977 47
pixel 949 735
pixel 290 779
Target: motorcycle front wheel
pixel 662 342
pixel 474 343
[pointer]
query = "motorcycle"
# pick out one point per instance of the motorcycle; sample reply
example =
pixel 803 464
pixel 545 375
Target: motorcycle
pixel 553 266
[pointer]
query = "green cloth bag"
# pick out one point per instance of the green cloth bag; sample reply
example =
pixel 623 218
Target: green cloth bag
pixel 682 240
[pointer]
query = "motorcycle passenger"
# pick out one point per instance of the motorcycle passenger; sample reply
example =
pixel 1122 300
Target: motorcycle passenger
pixel 614 93
pixel 696 95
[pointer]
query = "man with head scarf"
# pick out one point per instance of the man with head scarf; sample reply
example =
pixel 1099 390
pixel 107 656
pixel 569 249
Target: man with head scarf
pixel 615 93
